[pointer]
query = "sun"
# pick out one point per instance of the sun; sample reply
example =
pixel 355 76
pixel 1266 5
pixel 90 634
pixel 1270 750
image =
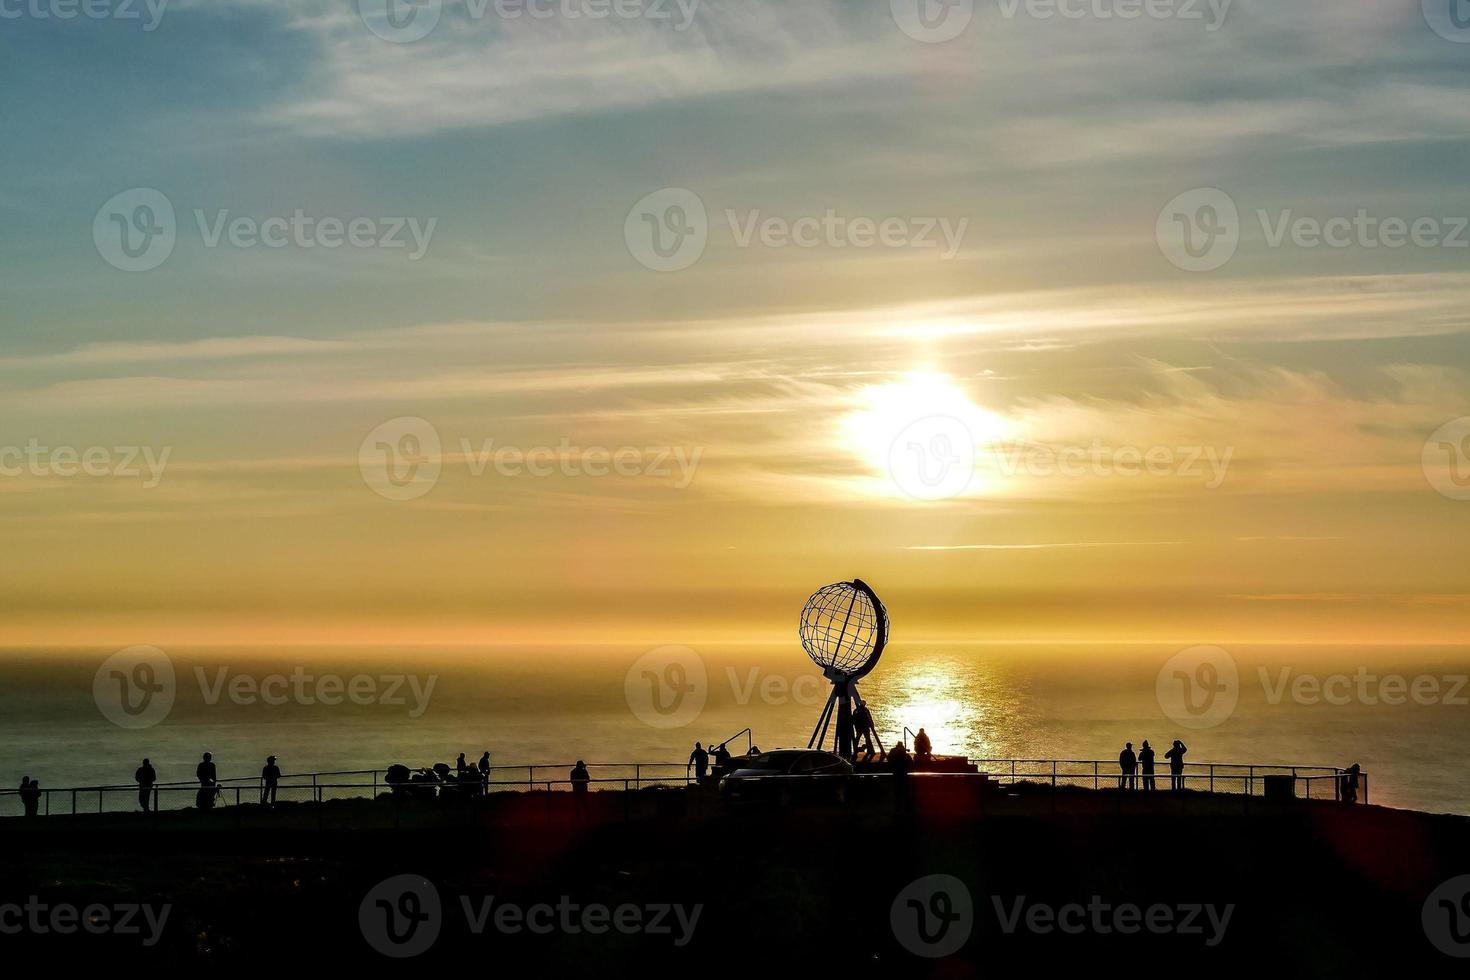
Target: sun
pixel 921 436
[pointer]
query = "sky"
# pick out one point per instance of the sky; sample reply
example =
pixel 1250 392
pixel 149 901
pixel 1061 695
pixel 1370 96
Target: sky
pixel 1099 322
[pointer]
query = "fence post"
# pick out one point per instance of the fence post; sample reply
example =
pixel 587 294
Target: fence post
pixel 1095 784
pixel 73 802
pixel 1212 777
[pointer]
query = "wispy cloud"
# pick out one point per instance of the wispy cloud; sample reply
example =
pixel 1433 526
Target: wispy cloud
pixel 1050 546
pixel 206 349
pixel 477 71
pixel 1392 598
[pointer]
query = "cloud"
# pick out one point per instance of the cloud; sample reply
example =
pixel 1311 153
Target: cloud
pixel 1146 101
pixel 478 69
pixel 1050 546
pixel 207 349
pixel 803 372
pixel 1392 598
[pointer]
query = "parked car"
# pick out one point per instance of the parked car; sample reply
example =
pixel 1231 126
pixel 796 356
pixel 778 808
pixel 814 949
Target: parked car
pixel 787 775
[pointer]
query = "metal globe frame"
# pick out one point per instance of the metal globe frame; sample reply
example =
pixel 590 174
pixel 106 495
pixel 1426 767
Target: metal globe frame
pixel 865 633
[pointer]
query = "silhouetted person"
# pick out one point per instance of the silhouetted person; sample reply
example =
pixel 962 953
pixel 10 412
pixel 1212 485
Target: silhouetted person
pixel 1128 766
pixel 146 777
pixel 862 728
pixel 485 770
pixel 461 766
pixel 424 784
pixel 922 747
pixel 580 778
pixel 208 782
pixel 1176 764
pixel 722 761
pixel 269 777
pixel 699 762
pixel 898 760
pixel 1146 762
pixel 30 795
pixel 898 766
pixel 1350 783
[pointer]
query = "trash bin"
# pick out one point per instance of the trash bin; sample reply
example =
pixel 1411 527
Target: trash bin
pixel 1280 787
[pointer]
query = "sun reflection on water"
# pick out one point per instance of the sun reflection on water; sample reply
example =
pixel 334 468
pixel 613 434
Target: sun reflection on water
pixel 978 709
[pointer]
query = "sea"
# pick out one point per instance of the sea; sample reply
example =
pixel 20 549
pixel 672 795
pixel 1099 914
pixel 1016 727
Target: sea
pixel 84 718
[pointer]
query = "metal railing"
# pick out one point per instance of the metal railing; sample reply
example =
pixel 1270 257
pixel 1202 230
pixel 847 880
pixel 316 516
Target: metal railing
pixel 341 784
pixel 1309 782
pixel 1249 779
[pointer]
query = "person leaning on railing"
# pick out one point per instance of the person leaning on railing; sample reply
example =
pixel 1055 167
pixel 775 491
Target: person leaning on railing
pixel 30 795
pixel 1350 783
pixel 580 778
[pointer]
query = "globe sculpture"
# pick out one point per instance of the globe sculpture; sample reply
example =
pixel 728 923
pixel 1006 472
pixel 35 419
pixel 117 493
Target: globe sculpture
pixel 844 628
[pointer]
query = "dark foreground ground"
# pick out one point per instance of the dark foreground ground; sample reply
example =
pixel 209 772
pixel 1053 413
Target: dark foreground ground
pixel 670 883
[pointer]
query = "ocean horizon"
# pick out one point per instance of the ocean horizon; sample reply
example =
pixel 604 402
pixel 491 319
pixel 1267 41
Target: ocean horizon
pixel 1296 705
